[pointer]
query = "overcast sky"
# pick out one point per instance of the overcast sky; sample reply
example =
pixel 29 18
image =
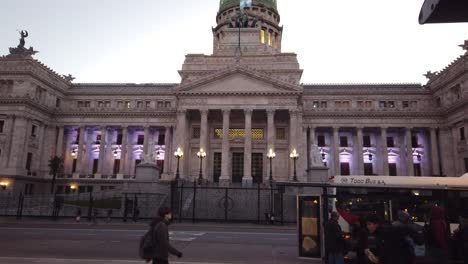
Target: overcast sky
pixel 145 41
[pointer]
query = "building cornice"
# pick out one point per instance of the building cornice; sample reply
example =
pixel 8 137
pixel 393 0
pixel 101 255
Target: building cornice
pixel 34 68
pixel 284 88
pixel 371 115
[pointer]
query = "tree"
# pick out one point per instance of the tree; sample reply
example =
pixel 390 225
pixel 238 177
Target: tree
pixel 55 166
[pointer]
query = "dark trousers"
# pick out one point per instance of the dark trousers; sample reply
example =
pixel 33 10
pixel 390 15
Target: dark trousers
pixel 160 261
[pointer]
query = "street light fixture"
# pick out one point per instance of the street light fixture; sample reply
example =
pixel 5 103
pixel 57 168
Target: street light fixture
pixel 178 154
pixel 271 155
pixel 201 155
pixel 294 155
pixel 4 185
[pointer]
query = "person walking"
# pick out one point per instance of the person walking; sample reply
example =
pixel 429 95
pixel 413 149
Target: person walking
pixel 78 215
pixel 438 247
pixel 460 238
pixel 334 243
pixel 109 215
pixel 95 215
pixel 405 238
pixel 162 247
pixel 370 242
pixel 136 214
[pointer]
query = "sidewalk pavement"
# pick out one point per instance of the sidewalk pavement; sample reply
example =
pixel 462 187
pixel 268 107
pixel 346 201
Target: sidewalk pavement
pixel 140 224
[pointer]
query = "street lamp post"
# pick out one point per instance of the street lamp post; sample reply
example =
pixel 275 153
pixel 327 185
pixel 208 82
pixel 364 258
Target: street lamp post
pixel 178 154
pixel 201 155
pixel 271 155
pixel 294 155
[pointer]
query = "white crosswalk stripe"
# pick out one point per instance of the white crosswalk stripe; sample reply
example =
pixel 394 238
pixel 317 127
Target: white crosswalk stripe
pixel 185 236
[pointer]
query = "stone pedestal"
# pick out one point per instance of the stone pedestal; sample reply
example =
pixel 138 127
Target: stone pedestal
pixel 247 182
pixel 317 175
pixel 224 181
pixel 147 172
pixel 146 180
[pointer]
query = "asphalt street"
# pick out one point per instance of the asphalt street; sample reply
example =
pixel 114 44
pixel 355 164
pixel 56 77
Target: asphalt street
pixel 115 243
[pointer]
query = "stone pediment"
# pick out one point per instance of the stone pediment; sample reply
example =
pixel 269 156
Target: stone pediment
pixel 238 80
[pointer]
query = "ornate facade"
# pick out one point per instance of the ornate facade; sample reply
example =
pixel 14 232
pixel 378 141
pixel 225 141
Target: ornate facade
pixel 236 104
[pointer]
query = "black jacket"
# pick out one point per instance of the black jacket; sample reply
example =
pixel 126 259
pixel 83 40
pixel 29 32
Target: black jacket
pixel 389 244
pixel 161 240
pixel 334 237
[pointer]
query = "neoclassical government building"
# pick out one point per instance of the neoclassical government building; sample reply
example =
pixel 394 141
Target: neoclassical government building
pixel 236 104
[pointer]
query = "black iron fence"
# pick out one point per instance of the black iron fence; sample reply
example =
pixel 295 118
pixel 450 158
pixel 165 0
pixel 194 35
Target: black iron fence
pixel 204 202
pixel 259 203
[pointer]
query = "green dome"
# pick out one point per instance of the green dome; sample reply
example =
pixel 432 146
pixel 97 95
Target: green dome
pixel 224 4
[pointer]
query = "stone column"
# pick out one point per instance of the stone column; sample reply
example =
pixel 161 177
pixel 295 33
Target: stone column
pixel 204 138
pixel 9 129
pixel 409 152
pixel 336 151
pixel 43 158
pixel 225 175
pixel 102 150
pixel 25 148
pixel 466 134
pixel 59 151
pixel 179 142
pixel 292 140
pixel 434 152
pixel 247 179
pixel 384 151
pixel 167 153
pixel 301 145
pixel 447 160
pixel 79 154
pixel 360 154
pixel 456 157
pixel 123 152
pixel 146 141
pixel 270 137
pixel 311 142
pixel 17 147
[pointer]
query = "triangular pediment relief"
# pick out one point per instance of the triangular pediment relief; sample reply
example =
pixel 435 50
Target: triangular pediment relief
pixel 238 81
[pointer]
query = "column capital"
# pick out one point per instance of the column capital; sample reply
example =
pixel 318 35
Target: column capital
pixel 359 128
pixel 335 128
pixel 204 111
pixel 270 111
pixel 383 127
pixel 226 111
pixel 181 111
pixel 248 111
pixel 294 111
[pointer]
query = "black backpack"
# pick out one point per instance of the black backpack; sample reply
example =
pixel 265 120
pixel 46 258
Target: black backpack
pixel 147 244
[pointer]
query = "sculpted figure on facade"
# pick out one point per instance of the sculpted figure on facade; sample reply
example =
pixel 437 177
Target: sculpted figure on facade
pixel 21 50
pixel 316 156
pixel 148 158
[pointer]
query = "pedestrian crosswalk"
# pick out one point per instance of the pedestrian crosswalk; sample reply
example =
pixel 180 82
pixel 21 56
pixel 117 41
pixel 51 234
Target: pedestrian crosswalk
pixel 185 236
